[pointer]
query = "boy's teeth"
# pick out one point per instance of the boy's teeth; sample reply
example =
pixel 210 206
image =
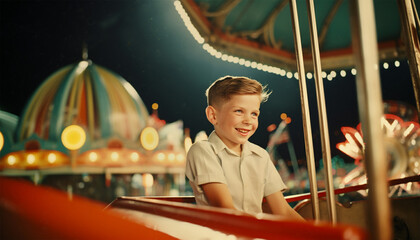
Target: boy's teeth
pixel 242 131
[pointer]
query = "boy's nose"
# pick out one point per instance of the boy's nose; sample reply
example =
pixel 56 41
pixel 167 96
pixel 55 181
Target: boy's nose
pixel 247 119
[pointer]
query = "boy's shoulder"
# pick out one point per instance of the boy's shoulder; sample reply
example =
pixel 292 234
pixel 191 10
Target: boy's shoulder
pixel 200 146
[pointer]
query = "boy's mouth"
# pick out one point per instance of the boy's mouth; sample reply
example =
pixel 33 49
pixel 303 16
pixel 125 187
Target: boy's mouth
pixel 242 131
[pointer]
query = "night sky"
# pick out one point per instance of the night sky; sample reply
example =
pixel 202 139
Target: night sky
pixel 148 45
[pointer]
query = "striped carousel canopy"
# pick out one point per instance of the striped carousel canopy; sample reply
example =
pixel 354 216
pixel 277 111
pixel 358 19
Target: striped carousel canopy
pixel 88 95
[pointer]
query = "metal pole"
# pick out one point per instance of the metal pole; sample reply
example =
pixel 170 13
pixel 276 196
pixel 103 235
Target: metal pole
pixel 322 114
pixel 370 110
pixel 310 159
pixel 412 46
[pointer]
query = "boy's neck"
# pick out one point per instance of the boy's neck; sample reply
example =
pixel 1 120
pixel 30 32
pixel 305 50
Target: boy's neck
pixel 236 149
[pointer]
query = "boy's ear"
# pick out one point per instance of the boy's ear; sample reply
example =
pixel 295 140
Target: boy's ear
pixel 211 114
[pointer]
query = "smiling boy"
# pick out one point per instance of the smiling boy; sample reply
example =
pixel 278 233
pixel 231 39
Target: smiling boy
pixel 227 170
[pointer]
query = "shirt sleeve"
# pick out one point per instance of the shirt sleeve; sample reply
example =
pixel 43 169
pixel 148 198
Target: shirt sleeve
pixel 203 165
pixel 273 181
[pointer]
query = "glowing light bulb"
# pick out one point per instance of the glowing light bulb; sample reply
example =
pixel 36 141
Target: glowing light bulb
pixel 73 137
pixel 283 116
pixel 160 157
pixel 93 156
pixel 11 160
pixel 114 156
pixel 180 157
pixel 30 159
pixel 134 157
pixel 1 141
pixel 155 106
pixel 149 138
pixel 171 157
pixel 52 158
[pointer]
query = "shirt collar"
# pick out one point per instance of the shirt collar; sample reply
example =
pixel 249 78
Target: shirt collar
pixel 247 148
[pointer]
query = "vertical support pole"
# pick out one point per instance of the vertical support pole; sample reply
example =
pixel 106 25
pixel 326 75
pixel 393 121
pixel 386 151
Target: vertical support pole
pixel 412 44
pixel 371 110
pixel 322 114
pixel 310 159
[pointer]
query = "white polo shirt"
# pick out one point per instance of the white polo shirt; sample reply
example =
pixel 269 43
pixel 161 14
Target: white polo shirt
pixel 249 177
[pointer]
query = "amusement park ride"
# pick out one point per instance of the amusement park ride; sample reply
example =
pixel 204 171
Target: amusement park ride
pixel 87 119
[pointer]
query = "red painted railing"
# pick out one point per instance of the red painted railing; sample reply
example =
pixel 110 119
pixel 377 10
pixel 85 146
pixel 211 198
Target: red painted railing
pixel 239 224
pixel 32 212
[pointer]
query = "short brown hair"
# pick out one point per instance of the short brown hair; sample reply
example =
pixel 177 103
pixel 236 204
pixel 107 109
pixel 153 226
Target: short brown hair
pixel 224 87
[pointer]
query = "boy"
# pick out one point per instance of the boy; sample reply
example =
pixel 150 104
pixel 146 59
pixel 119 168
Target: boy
pixel 227 170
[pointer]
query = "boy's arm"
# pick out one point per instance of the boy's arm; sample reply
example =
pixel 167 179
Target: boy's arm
pixel 279 206
pixel 218 195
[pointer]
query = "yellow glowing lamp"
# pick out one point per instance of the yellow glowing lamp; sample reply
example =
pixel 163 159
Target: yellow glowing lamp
pixel 149 138
pixel 73 137
pixel 1 141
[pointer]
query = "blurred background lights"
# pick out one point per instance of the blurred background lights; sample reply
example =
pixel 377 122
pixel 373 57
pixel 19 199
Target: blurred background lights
pixel 283 116
pixel 134 157
pixel 160 157
pixel 386 65
pixel 171 157
pixel 114 156
pixel 271 127
pixel 93 156
pixel 155 106
pixel 147 180
pixel 73 137
pixel 187 21
pixel 52 158
pixel 11 160
pixel 180 157
pixel 1 141
pixel 30 159
pixel 149 138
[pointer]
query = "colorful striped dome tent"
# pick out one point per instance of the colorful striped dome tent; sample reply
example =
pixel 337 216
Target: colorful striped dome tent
pixel 105 107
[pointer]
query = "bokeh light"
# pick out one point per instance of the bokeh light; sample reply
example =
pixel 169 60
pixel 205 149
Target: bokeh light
pixel 73 137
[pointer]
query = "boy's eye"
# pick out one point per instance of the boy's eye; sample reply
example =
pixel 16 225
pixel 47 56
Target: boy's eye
pixel 238 111
pixel 255 114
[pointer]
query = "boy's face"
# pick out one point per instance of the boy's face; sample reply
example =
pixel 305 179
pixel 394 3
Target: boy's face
pixel 235 120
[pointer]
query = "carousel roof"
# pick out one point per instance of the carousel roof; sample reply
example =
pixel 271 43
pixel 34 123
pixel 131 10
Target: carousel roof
pixel 84 115
pixel 261 31
pixel 86 94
